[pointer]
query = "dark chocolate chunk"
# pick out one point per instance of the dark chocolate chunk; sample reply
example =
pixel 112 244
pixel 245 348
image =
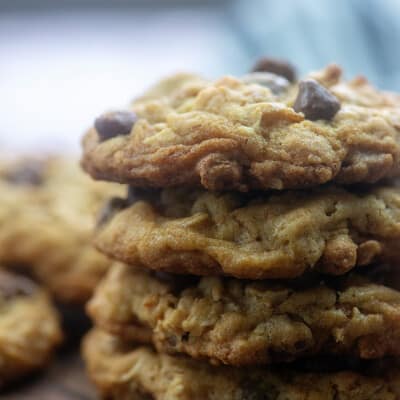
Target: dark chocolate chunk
pixel 114 124
pixel 29 172
pixel 315 102
pixel 277 67
pixel 15 285
pixel 277 84
pixel 111 207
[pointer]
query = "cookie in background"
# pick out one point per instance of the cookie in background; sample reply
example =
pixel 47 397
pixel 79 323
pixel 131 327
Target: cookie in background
pixel 29 327
pixel 48 210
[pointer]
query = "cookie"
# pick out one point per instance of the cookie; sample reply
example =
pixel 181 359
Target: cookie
pixel 123 371
pixel 29 327
pixel 256 235
pixel 240 322
pixel 48 209
pixel 259 131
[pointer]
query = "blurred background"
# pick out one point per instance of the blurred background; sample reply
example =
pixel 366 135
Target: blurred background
pixel 63 62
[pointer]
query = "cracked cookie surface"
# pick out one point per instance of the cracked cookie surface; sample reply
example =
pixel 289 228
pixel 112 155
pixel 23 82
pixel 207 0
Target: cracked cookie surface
pixel 256 235
pixel 123 371
pixel 48 210
pixel 244 134
pixel 29 327
pixel 240 323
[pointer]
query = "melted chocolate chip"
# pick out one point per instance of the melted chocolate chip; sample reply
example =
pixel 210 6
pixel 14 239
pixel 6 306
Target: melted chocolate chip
pixel 14 285
pixel 114 124
pixel 111 207
pixel 315 102
pixel 277 84
pixel 277 67
pixel 27 173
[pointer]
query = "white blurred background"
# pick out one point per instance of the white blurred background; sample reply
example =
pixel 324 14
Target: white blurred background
pixel 64 62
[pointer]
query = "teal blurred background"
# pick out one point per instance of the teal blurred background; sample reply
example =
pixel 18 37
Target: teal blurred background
pixel 63 62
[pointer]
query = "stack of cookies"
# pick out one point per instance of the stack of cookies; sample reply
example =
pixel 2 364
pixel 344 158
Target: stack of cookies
pixel 257 245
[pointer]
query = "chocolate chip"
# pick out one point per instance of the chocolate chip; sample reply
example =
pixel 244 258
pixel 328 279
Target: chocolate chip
pixel 114 124
pixel 29 172
pixel 277 84
pixel 111 207
pixel 277 67
pixel 315 102
pixel 15 285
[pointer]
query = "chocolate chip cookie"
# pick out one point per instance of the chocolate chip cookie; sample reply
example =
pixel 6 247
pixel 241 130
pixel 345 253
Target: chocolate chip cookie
pixel 124 371
pixel 259 131
pixel 240 322
pixel 48 209
pixel 29 327
pixel 253 236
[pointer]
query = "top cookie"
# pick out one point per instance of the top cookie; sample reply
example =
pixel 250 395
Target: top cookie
pixel 48 210
pixel 259 131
